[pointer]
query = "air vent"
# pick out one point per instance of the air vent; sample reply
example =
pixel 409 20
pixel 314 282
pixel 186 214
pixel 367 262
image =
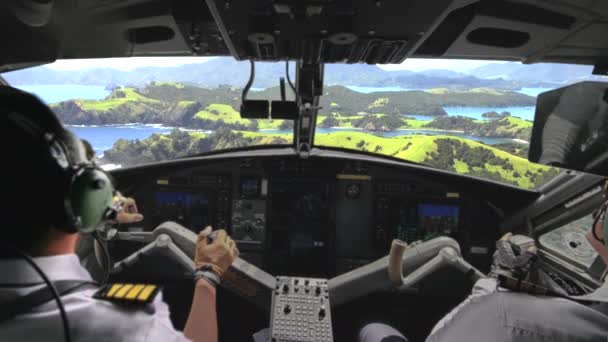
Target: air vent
pixel 150 34
pixel 457 21
pixel 498 37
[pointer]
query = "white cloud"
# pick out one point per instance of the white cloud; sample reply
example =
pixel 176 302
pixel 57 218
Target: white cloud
pixel 124 63
pixel 420 64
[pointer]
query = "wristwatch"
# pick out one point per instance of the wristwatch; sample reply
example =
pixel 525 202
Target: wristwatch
pixel 206 272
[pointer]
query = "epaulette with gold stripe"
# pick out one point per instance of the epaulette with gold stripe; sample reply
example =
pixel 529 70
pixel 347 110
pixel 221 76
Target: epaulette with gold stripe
pixel 126 293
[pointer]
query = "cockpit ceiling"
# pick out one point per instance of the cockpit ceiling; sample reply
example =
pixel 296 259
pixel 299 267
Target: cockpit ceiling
pixel 330 31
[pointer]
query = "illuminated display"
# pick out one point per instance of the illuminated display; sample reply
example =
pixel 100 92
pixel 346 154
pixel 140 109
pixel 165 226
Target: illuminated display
pixel 187 208
pixel 438 219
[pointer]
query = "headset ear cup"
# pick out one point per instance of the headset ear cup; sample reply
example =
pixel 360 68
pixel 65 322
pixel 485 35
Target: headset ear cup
pixel 90 197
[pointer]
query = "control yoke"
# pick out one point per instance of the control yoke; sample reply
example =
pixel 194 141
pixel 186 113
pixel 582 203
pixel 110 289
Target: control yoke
pixel 447 256
pixel 172 241
pixel 405 265
pixel 402 268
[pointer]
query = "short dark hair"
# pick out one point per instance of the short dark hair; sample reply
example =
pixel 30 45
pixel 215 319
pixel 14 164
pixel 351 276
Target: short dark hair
pixel 34 188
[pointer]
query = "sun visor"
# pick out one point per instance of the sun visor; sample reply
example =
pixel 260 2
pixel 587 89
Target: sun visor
pixel 255 109
pixel 571 128
pixel 287 110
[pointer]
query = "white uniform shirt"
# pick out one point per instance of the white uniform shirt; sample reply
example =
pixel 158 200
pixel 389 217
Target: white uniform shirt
pixel 502 316
pixel 90 319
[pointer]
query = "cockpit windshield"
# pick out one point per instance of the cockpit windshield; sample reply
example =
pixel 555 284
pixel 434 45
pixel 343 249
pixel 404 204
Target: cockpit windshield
pixel 468 117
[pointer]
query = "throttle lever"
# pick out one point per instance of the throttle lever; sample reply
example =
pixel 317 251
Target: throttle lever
pixel 395 261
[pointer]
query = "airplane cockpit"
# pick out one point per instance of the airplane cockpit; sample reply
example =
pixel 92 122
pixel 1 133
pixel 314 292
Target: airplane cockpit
pixel 334 235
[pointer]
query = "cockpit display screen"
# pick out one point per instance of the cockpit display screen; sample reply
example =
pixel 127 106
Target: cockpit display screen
pixel 190 209
pixel 438 219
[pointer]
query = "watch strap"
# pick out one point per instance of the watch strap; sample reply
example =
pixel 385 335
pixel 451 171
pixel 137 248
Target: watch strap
pixel 208 275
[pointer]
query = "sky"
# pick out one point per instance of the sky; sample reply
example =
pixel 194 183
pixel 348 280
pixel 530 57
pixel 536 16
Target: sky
pixel 127 64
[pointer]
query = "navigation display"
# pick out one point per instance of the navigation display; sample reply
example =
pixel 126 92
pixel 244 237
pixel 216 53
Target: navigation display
pixel 438 219
pixel 190 209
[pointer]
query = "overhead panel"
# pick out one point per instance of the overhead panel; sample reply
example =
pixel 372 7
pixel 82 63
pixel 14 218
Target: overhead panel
pixel 311 31
pixel 326 30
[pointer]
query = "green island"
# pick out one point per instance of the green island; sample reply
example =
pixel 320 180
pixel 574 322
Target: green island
pixel 359 121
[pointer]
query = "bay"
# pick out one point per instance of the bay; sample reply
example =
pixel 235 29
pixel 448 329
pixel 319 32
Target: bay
pixel 526 113
pixel 51 93
pixel 103 137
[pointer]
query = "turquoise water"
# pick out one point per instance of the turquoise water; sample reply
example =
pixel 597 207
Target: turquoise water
pixel 526 113
pixel 103 137
pixel 51 93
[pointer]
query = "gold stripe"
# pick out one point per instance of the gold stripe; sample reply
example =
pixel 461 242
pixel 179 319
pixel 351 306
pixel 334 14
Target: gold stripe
pixel 452 195
pixel 123 291
pixel 134 291
pixel 147 291
pixel 354 177
pixel 162 181
pixel 113 290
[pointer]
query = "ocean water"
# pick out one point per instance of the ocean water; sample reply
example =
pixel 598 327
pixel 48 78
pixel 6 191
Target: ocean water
pixel 526 113
pixel 51 93
pixel 103 137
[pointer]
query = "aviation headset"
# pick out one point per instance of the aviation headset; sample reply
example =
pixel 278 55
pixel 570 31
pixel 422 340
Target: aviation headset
pixel 88 191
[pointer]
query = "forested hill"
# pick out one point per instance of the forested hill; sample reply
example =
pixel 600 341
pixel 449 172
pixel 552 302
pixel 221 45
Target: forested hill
pixel 431 102
pixel 177 105
pixel 442 152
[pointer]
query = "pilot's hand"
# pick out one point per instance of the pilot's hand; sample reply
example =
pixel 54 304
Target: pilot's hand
pixel 218 254
pixel 129 212
pixel 515 255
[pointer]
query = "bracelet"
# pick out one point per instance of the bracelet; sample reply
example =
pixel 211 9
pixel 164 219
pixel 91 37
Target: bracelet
pixel 211 277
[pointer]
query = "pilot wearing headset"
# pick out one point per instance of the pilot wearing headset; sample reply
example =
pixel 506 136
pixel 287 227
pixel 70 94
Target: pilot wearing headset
pixel 54 194
pixel 493 313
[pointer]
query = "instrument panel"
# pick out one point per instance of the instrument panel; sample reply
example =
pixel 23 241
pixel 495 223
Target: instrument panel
pixel 316 218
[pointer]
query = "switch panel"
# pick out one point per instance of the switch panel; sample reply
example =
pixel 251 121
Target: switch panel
pixel 300 310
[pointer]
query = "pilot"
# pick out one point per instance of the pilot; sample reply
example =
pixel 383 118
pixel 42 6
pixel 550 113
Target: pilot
pixel 54 194
pixel 491 313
